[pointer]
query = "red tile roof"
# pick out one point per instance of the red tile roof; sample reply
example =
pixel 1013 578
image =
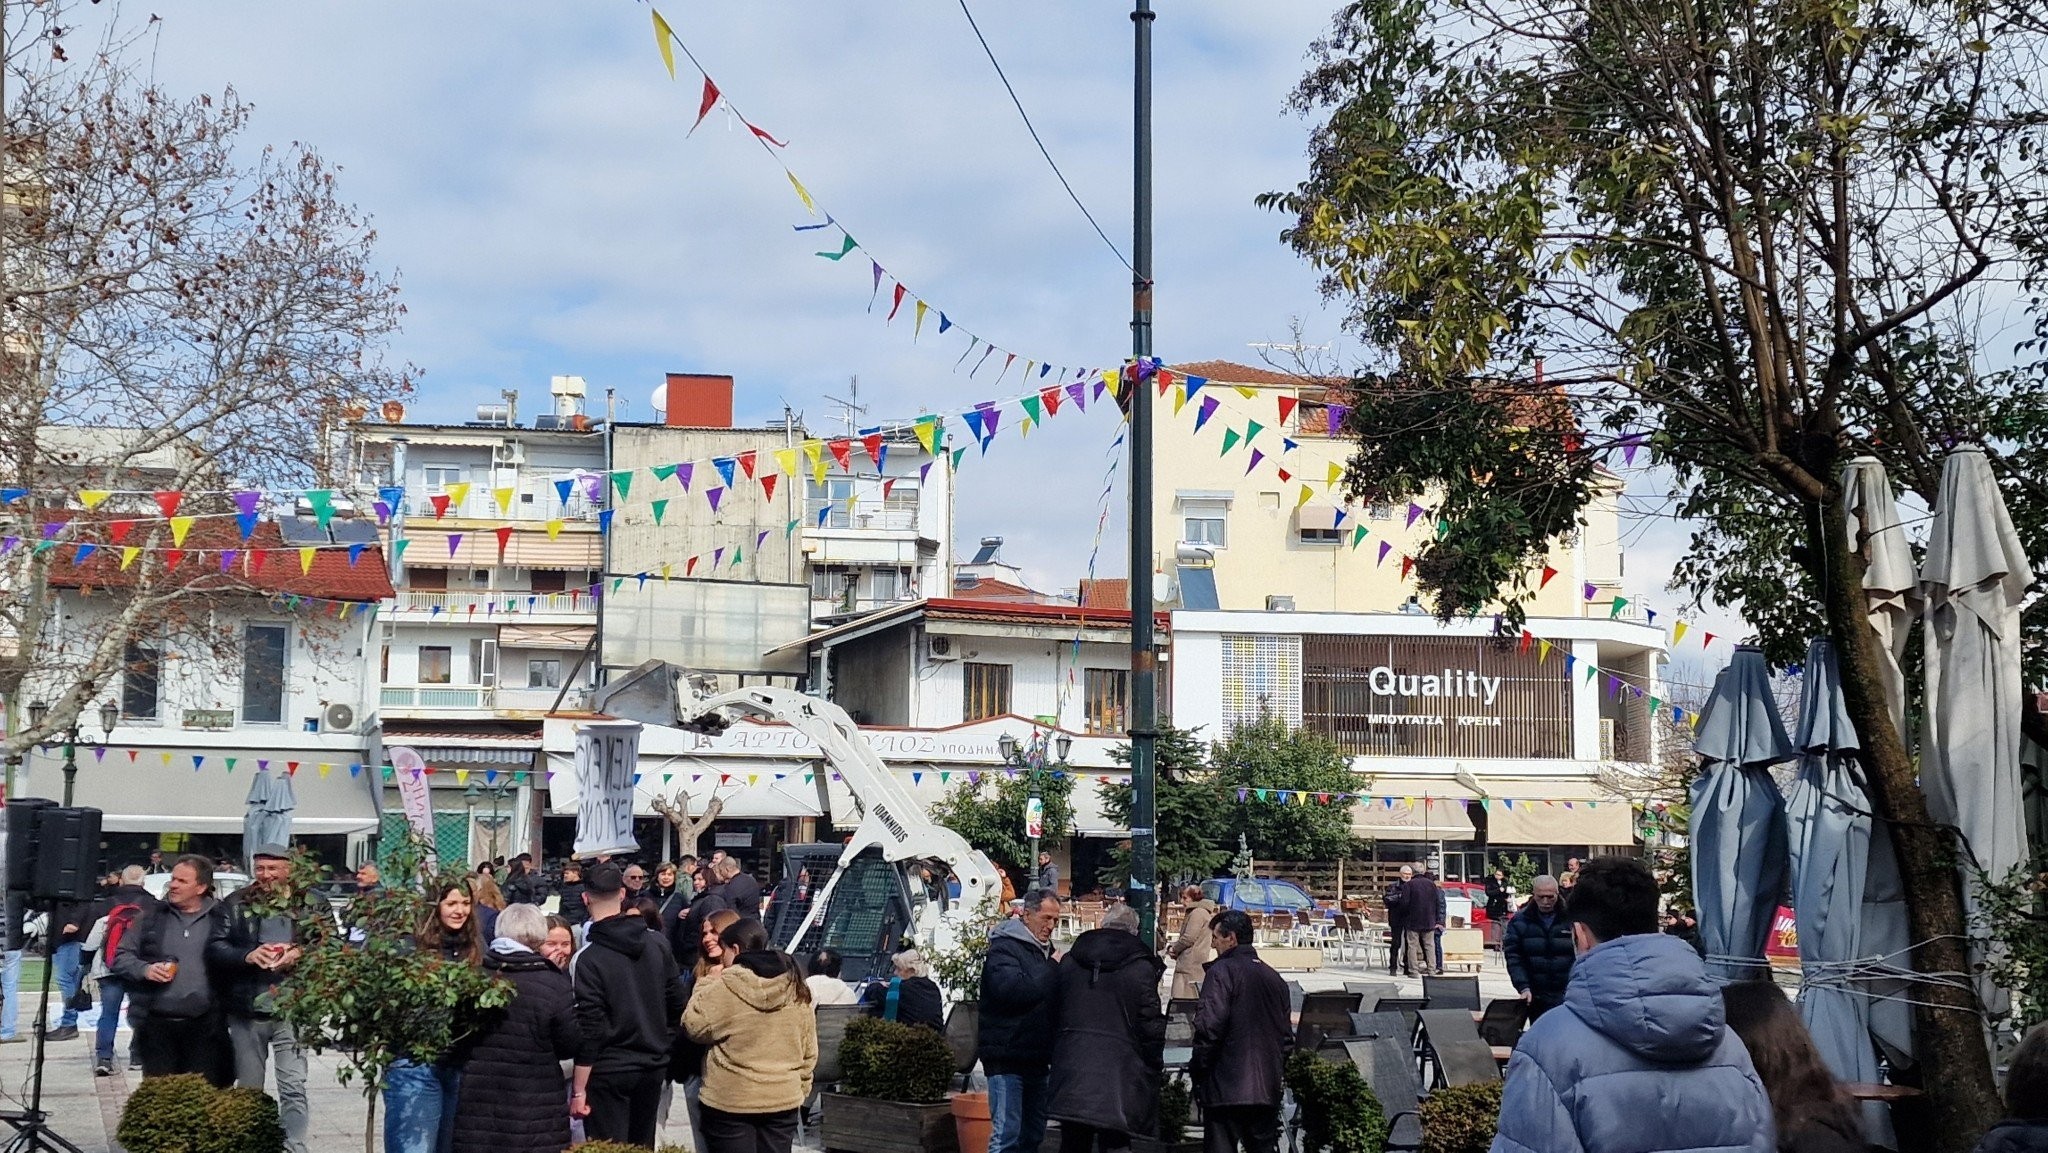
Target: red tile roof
pixel 1230 372
pixel 331 577
pixel 1111 593
pixel 991 589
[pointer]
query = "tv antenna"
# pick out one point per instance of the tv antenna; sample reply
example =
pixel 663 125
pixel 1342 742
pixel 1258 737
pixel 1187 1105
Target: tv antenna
pixel 850 408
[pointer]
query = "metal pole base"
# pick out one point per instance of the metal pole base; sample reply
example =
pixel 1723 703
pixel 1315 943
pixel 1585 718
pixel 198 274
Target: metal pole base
pixel 32 1131
pixel 32 1125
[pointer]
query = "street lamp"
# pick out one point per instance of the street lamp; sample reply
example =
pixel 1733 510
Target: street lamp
pixel 497 792
pixel 109 714
pixel 1031 758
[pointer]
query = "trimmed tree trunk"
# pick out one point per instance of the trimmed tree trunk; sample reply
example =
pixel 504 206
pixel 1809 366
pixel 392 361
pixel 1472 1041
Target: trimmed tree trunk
pixel 1955 1063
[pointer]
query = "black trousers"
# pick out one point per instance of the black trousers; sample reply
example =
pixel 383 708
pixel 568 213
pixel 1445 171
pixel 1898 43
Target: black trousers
pixel 1079 1138
pixel 747 1132
pixel 170 1045
pixel 624 1105
pixel 1254 1128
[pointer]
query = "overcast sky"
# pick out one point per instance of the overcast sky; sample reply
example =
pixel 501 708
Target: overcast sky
pixel 527 169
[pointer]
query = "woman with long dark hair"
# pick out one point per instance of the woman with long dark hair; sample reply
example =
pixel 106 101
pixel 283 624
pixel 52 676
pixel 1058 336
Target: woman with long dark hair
pixel 419 1099
pixel 1812 1112
pixel 755 1018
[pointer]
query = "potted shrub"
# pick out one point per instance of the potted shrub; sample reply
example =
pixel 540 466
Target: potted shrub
pixel 184 1114
pixel 892 1095
pixel 1176 1110
pixel 1338 1112
pixel 1461 1119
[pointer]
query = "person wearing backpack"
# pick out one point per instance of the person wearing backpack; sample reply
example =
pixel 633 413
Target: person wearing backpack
pixel 124 908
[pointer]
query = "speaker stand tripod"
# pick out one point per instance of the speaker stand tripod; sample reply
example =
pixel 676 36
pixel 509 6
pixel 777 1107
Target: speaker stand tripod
pixel 32 1125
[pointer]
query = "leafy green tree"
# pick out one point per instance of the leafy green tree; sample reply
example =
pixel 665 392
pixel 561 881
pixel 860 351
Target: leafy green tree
pixel 1266 754
pixel 361 990
pixel 1757 238
pixel 990 815
pixel 1194 815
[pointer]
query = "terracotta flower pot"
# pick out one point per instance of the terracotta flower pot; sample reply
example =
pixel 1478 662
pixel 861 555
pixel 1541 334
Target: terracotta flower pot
pixel 971 1118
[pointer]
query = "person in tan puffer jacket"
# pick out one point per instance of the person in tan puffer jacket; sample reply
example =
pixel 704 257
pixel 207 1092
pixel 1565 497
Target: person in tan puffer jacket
pixel 755 1015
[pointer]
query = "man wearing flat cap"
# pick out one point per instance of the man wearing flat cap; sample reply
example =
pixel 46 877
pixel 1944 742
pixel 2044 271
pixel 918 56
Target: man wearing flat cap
pixel 249 960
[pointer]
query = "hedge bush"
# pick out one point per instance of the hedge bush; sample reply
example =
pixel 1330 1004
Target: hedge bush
pixel 185 1114
pixel 891 1061
pixel 1176 1107
pixel 1461 1119
pixel 1339 1113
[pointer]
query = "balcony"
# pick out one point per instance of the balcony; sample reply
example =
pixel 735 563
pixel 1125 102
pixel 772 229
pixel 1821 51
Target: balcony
pixel 405 700
pixel 532 504
pixel 468 606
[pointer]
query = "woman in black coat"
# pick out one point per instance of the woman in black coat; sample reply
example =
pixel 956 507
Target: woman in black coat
pixel 513 1097
pixel 1109 1038
pixel 1497 897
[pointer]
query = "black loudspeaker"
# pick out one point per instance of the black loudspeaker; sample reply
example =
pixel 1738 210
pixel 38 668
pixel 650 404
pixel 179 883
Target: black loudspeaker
pixel 67 854
pixel 22 841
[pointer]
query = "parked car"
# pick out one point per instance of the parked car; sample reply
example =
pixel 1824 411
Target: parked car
pixel 1471 891
pixel 1260 895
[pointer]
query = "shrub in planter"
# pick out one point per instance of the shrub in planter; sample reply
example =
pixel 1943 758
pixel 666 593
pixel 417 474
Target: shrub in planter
pixel 1176 1108
pixel 891 1061
pixel 1461 1119
pixel 1339 1113
pixel 184 1114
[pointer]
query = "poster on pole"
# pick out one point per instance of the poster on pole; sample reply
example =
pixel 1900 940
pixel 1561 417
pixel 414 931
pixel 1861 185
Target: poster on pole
pixel 607 759
pixel 408 768
pixel 1034 820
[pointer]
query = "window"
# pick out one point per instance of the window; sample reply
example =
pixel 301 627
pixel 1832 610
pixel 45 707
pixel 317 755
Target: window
pixel 1321 535
pixel 1381 510
pixel 1261 676
pixel 436 665
pixel 1202 522
pixel 544 674
pixel 438 477
pixel 832 496
pixel 141 666
pixel 829 582
pixel 1108 693
pixel 422 578
pixel 891 583
pixel 263 651
pixel 987 690
pixel 549 580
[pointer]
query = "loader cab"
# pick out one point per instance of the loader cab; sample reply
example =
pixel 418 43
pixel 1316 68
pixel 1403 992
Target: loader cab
pixel 870 912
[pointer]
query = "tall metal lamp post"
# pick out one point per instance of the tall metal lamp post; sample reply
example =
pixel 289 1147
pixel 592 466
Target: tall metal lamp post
pixel 1030 756
pixel 110 714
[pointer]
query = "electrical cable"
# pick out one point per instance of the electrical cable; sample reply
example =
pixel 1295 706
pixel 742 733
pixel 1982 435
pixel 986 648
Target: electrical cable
pixel 1033 129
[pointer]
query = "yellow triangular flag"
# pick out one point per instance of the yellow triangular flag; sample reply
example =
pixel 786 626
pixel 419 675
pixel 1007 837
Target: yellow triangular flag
pixel 1306 495
pixel 815 450
pixel 927 432
pixel 1248 392
pixel 92 497
pixel 1678 632
pixel 664 36
pixel 1336 474
pixel 326 768
pixel 785 459
pixel 1114 380
pixel 917 324
pixel 462 776
pixel 128 555
pixel 818 471
pixel 1180 398
pixel 1542 651
pixel 306 560
pixel 180 525
pixel 504 498
pixel 802 193
pixel 664 570
pixel 457 494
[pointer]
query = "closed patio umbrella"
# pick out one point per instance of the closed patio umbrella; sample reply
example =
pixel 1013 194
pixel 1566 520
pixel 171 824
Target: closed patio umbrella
pixel 268 818
pixel 1740 853
pixel 1973 579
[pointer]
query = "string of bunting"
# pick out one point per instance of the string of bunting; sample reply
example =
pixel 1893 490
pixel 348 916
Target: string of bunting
pixel 840 243
pixel 1250 794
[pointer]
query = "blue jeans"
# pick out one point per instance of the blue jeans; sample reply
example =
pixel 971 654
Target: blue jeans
pixel 66 960
pixel 10 994
pixel 419 1107
pixel 1016 1105
pixel 112 993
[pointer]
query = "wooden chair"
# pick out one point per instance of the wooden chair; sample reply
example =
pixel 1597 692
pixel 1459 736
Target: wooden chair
pixel 1451 992
pixel 963 1026
pixel 1324 1015
pixel 1502 1023
pixel 1387 1064
pixel 1451 1044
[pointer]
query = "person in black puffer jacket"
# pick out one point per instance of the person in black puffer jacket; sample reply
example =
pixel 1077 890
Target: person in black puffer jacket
pixel 1537 945
pixel 1109 1038
pixel 916 997
pixel 1019 987
pixel 2025 1128
pixel 513 1094
pixel 572 908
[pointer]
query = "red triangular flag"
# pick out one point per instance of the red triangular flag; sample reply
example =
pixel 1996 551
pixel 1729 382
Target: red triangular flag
pixel 291 768
pixel 1527 638
pixel 747 463
pixel 895 302
pixel 172 557
pixel 763 134
pixel 704 108
pixel 1287 404
pixel 1708 642
pixel 1285 476
pixel 504 538
pixel 691 567
pixel 888 484
pixel 1051 399
pixel 168 501
pixel 1407 564
pixel 256 559
pixel 118 530
pixel 873 443
pixel 1548 574
pixel 440 502
pixel 768 480
pixel 842 451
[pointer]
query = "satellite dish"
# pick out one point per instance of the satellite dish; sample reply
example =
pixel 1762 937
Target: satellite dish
pixel 659 399
pixel 393 412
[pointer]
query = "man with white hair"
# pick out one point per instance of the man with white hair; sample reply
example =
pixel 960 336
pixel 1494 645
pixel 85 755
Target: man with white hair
pixel 124 907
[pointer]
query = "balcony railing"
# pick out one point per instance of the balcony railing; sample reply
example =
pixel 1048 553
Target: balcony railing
pixel 435 697
pixel 896 519
pixel 481 504
pixel 497 602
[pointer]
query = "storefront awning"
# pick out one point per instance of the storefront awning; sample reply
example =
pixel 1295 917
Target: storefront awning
pixel 544 636
pixel 1558 822
pixel 159 789
pixel 1411 819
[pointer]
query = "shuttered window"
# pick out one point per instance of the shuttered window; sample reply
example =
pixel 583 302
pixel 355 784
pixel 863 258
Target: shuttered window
pixel 986 690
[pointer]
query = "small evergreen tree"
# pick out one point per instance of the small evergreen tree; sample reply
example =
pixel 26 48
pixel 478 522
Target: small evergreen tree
pixel 1267 755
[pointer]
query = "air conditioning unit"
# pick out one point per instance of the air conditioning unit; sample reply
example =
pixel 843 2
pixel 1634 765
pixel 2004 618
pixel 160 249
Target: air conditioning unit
pixel 1606 738
pixel 937 648
pixel 1279 604
pixel 508 451
pixel 338 718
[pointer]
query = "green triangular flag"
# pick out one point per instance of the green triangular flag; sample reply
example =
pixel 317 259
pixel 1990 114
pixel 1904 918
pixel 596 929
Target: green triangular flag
pixel 735 556
pixel 622 480
pixel 789 528
pixel 231 763
pixel 1591 672
pixel 1252 428
pixel 618 584
pixel 1230 439
pixel 1357 534
pixel 1443 528
pixel 322 501
pixel 1486 803
pixel 1655 704
pixel 398 546
pixel 660 507
pixel 1614 610
pixel 664 471
pixel 1031 409
pixel 957 454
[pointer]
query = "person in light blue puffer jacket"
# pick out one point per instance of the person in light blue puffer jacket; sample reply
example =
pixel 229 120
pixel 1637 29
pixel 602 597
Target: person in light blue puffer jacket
pixel 1639 1058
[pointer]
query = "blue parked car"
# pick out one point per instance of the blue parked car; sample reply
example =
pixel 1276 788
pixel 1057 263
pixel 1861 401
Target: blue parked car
pixel 1259 895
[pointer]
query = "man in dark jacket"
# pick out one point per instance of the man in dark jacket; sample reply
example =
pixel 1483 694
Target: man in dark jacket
pixel 1537 944
pixel 1110 1038
pixel 742 891
pixel 1019 987
pixel 572 908
pixel 629 1003
pixel 1397 919
pixel 1419 924
pixel 162 962
pixel 1639 1047
pixel 248 962
pixel 1242 1035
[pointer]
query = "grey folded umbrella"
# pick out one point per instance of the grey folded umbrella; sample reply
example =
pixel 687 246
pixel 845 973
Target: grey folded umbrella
pixel 1740 853
pixel 267 819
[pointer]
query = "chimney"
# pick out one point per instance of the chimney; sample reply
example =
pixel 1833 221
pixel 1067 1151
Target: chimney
pixel 699 400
